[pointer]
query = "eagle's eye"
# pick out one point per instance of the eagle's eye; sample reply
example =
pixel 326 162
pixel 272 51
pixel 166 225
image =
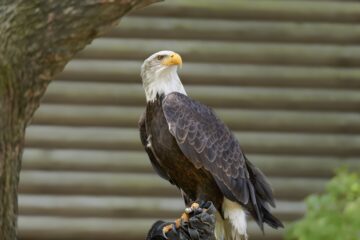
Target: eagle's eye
pixel 160 57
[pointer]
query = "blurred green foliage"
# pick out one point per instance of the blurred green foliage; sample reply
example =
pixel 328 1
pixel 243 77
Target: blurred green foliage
pixel 335 215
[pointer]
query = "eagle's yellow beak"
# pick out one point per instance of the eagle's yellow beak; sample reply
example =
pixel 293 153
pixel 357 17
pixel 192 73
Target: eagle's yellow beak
pixel 173 59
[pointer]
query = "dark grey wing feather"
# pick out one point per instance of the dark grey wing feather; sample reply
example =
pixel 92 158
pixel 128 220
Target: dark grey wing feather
pixel 206 141
pixel 209 144
pixel 152 157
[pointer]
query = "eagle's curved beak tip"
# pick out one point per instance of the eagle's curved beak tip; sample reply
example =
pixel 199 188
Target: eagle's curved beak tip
pixel 173 59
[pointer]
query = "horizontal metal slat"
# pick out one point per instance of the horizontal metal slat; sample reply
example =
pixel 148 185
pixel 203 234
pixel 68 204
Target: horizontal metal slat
pixel 111 206
pixel 91 183
pixel 81 115
pixel 125 207
pixel 215 96
pixel 236 119
pixel 86 160
pixel 61 228
pixel 252 142
pixel 218 74
pixel 255 31
pixel 138 162
pixel 227 52
pixel 262 9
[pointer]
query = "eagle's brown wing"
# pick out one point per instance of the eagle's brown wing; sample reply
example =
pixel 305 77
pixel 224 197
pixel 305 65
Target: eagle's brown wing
pixel 209 144
pixel 152 157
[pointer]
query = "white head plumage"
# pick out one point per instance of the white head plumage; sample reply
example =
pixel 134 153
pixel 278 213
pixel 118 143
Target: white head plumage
pixel 159 74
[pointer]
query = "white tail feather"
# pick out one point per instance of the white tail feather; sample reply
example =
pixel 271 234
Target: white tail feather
pixel 233 226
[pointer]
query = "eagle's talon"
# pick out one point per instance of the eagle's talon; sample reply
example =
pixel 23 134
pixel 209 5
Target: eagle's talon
pixel 192 208
pixel 188 210
pixel 167 229
pixel 174 228
pixel 195 206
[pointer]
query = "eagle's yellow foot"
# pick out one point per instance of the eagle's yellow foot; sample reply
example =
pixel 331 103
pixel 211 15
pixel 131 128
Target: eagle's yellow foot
pixel 195 206
pixel 192 208
pixel 167 229
pixel 184 218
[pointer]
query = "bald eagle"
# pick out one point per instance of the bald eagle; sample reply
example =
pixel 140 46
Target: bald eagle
pixel 192 148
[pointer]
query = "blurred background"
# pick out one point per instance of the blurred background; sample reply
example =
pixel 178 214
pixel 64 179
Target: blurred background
pixel 284 75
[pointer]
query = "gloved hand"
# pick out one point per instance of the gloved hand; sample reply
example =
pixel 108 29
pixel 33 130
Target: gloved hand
pixel 200 226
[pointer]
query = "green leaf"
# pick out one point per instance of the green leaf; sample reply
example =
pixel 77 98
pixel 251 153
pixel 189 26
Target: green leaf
pixel 332 215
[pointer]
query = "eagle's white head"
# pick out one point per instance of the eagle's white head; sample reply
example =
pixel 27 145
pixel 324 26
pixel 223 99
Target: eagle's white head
pixel 159 74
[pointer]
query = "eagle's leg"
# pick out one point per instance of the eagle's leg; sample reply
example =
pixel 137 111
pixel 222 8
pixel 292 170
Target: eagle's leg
pixel 193 207
pixel 186 215
pixel 168 228
pixel 184 218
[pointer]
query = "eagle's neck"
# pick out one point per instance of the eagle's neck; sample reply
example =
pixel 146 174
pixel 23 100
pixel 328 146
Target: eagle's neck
pixel 161 82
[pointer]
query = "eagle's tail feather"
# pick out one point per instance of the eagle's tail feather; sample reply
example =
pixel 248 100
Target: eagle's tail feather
pixel 233 225
pixel 271 220
pixel 231 233
pixel 263 198
pixel 224 230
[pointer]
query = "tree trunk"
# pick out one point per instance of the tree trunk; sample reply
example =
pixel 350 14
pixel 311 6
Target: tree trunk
pixel 37 39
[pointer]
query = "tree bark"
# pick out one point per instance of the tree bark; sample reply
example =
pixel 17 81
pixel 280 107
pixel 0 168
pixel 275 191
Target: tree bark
pixel 37 39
